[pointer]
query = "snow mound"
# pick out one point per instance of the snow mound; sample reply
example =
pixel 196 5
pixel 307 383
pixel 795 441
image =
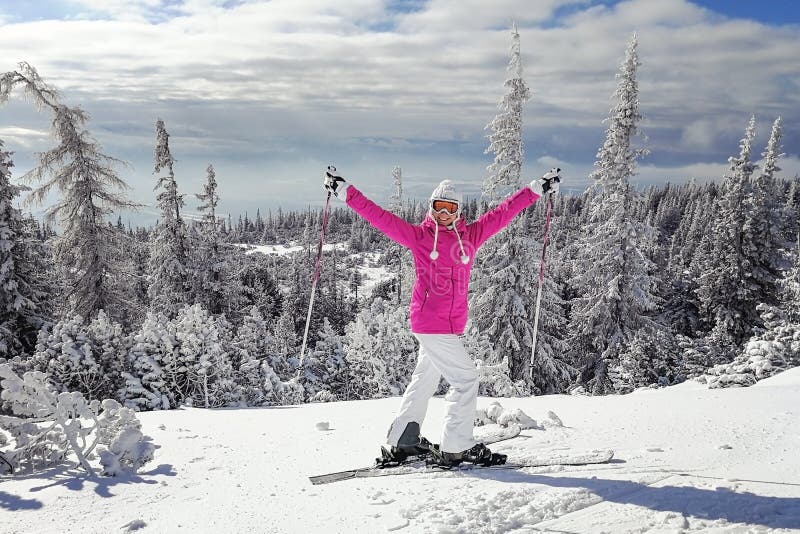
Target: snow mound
pixel 790 377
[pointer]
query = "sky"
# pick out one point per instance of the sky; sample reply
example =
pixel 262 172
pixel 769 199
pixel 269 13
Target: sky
pixel 270 93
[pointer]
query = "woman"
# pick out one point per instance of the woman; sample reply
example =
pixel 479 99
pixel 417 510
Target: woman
pixel 444 248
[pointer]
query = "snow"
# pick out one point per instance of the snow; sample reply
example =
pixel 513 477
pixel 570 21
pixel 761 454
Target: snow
pixel 285 249
pixel 688 458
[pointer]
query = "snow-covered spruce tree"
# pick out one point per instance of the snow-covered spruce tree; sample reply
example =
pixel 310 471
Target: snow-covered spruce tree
pixel 21 295
pixel 505 141
pixel 549 371
pixel 792 210
pixel 380 351
pixel 773 349
pixel 324 375
pixel 203 353
pixel 169 283
pixel 504 288
pixel 762 236
pixel 789 295
pixel 690 243
pixel 400 258
pixel 285 360
pixel 616 299
pixel 253 344
pixel 86 178
pixel 156 379
pixel 87 358
pixel 727 295
pixel 213 286
pixel 47 425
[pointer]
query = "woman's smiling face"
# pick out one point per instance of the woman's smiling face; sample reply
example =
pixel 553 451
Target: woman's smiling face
pixel 445 219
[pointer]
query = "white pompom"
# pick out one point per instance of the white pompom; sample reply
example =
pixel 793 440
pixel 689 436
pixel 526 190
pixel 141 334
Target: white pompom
pixel 434 254
pixel 465 259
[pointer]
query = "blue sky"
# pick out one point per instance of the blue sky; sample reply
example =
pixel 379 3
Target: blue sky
pixel 272 92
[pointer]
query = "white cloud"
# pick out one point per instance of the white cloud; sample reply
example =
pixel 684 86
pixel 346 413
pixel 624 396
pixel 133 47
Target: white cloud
pixel 275 80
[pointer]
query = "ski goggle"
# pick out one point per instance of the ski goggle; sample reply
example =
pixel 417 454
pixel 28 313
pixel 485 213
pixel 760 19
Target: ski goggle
pixel 444 206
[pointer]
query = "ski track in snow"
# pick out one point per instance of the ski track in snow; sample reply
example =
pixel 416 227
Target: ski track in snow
pixel 688 459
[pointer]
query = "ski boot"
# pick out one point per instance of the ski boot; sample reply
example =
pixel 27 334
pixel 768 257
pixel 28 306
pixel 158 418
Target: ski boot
pixel 410 447
pixel 478 454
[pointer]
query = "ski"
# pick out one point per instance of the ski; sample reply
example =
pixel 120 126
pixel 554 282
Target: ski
pixel 487 434
pixel 420 467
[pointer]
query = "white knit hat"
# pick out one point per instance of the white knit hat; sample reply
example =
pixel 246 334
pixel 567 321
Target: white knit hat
pixel 446 191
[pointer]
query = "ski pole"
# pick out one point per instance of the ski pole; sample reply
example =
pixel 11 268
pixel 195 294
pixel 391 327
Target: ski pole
pixel 541 280
pixel 317 269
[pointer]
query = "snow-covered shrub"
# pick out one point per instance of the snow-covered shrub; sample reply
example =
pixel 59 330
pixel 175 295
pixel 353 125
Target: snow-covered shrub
pixel 186 359
pixel 323 396
pixel 200 338
pixel 156 380
pixel 125 449
pixel 89 358
pixel 289 392
pixel 493 379
pixel 495 413
pixel 775 349
pixel 380 351
pixel 648 360
pixel 47 425
pixel 699 355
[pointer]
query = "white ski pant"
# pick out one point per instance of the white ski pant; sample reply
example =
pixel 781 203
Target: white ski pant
pixel 441 355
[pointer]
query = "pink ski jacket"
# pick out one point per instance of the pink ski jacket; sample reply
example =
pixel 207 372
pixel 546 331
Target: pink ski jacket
pixel 439 299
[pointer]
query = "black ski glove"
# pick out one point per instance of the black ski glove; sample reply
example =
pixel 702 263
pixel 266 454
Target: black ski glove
pixel 548 183
pixel 333 182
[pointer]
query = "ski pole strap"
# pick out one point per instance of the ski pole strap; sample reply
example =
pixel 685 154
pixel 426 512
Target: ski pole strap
pixel 325 214
pixel 546 232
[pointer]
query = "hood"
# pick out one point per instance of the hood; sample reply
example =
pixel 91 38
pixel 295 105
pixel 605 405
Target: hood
pixel 457 227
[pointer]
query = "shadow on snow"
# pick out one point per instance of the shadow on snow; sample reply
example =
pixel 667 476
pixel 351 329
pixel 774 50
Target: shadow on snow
pixel 711 504
pixel 75 480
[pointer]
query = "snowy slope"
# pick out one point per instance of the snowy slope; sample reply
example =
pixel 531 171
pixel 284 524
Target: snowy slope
pixel 688 459
pixel 367 264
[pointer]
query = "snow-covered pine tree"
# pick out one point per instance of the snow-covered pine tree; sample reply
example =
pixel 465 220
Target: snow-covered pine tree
pixel 169 284
pixel 87 180
pixel 616 299
pixel 504 288
pixel 20 295
pixel 727 296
